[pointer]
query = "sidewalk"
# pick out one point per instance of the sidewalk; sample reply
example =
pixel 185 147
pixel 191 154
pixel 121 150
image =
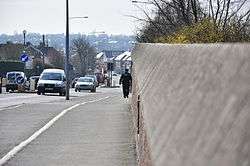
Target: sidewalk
pixel 94 134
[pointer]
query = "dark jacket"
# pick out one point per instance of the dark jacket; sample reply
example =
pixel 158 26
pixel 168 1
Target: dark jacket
pixel 126 79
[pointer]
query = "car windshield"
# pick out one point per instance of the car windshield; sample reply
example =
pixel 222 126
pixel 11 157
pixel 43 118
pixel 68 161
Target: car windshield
pixel 85 80
pixel 91 76
pixel 51 76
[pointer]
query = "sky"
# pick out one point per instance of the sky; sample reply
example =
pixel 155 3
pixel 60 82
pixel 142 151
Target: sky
pixel 48 16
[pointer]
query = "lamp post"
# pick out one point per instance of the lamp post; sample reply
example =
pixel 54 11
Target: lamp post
pixel 67 48
pixel 79 17
pixel 145 2
pixel 24 37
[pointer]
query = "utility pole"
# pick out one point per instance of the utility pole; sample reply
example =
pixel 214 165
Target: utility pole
pixel 67 50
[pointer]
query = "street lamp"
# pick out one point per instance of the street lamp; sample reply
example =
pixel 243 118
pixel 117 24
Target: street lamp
pixel 67 48
pixel 24 36
pixel 134 1
pixel 79 17
pixel 97 32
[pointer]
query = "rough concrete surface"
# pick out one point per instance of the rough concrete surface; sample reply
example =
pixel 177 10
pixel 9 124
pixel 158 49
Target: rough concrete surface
pixel 194 104
pixel 95 134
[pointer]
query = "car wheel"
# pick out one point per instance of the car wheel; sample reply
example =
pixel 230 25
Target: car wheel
pixel 75 90
pixel 39 93
pixel 7 90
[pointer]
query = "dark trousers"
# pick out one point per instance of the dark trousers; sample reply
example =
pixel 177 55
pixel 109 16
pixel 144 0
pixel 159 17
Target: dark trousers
pixel 125 89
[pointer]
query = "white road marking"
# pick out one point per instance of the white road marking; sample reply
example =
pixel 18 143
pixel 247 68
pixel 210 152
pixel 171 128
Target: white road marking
pixel 11 107
pixel 23 144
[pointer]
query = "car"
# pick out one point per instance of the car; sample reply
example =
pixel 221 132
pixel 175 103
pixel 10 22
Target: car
pixel 52 81
pixel 85 83
pixel 95 79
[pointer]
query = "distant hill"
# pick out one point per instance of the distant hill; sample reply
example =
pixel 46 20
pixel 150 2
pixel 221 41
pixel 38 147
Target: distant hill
pixel 100 42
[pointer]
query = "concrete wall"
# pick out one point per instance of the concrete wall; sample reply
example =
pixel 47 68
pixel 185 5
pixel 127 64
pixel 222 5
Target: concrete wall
pixel 194 104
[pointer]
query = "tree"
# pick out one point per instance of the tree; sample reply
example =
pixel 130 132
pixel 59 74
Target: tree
pixel 170 17
pixel 229 18
pixel 83 55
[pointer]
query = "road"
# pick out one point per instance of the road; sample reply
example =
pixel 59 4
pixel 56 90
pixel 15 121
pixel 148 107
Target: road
pixel 89 129
pixel 10 100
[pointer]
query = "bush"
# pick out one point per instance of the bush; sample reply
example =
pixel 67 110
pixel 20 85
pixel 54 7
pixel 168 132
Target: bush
pixel 202 32
pixel 206 32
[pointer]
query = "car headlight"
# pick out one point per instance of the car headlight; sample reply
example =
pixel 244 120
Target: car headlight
pixel 59 85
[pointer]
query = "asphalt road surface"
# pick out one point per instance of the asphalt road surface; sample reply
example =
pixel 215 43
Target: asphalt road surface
pixel 89 129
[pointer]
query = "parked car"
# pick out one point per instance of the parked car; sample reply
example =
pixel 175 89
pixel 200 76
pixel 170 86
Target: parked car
pixel 85 83
pixel 16 80
pixel 52 81
pixel 95 79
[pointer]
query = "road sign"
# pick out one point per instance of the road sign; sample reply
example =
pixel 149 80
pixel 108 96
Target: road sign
pixel 24 57
pixel 20 80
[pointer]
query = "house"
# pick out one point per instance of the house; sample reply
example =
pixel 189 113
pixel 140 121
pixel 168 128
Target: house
pixel 105 57
pixel 12 52
pixel 52 56
pixel 39 57
pixel 122 61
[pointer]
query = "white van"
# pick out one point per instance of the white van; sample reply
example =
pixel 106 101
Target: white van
pixel 52 81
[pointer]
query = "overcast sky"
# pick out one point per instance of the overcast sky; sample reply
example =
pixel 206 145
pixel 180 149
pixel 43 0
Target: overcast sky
pixel 48 16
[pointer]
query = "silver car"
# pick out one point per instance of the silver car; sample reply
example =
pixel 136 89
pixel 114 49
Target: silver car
pixel 95 79
pixel 85 83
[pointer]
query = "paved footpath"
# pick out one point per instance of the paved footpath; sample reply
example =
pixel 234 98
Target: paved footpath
pixel 95 133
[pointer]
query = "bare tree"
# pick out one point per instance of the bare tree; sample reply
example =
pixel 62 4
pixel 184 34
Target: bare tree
pixel 171 15
pixel 223 12
pixel 83 55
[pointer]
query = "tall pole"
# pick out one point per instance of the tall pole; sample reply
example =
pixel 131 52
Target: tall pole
pixel 43 48
pixel 67 50
pixel 24 37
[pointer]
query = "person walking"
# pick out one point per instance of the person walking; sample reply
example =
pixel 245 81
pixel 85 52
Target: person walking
pixel 126 81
